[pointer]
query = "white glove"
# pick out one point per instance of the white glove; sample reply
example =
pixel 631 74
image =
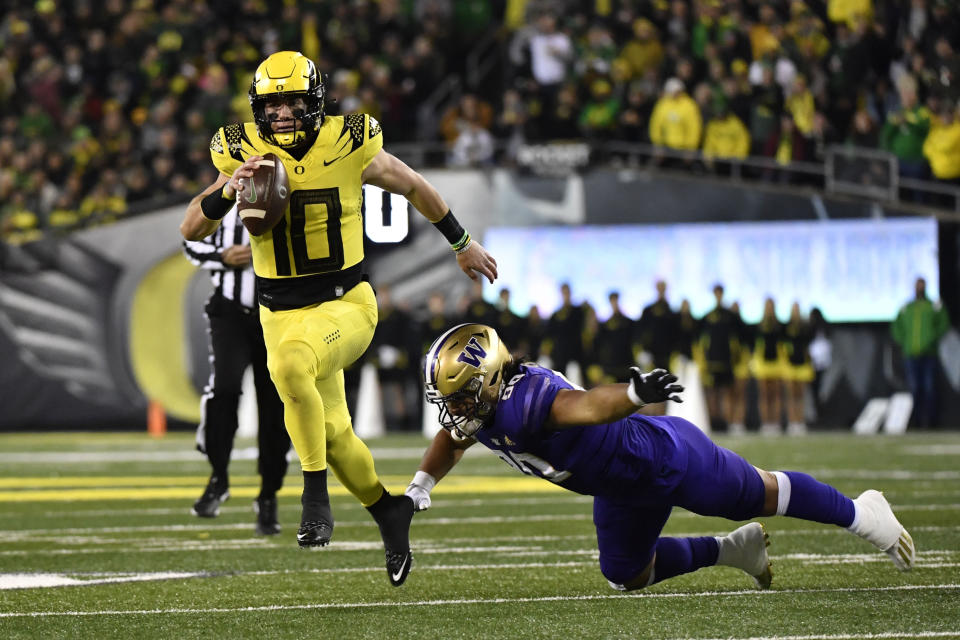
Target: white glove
pixel 419 490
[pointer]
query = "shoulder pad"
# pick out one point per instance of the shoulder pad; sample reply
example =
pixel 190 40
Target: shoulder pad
pixel 354 124
pixel 234 134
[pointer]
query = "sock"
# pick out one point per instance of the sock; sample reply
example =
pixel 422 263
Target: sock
pixel 393 515
pixel 683 555
pixel 314 499
pixel 802 496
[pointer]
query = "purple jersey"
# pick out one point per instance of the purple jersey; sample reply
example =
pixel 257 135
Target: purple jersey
pixel 637 457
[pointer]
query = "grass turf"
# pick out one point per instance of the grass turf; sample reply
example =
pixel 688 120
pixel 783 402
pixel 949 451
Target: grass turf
pixel 498 556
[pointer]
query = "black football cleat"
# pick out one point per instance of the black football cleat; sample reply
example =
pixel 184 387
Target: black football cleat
pixel 314 534
pixel 208 504
pixel 398 566
pixel 393 515
pixel 266 510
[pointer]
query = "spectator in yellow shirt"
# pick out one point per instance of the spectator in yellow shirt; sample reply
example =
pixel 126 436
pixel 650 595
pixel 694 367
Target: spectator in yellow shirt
pixel 848 10
pixel 676 122
pixel 801 106
pixel 644 52
pixel 726 138
pixel 763 33
pixel 942 145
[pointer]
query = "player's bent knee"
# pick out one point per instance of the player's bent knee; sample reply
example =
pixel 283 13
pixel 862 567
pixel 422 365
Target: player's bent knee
pixel 622 579
pixel 292 369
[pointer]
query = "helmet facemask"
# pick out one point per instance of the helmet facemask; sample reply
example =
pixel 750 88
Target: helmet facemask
pixel 286 76
pixel 464 412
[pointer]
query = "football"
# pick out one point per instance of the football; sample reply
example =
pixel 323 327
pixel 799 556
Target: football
pixel 265 196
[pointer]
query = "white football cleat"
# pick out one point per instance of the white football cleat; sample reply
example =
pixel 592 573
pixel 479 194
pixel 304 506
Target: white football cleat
pixel 876 524
pixel 746 548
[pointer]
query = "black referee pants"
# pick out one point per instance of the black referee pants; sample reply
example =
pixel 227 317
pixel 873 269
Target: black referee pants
pixel 236 341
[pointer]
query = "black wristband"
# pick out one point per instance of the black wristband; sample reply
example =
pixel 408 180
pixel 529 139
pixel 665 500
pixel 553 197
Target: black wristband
pixel 450 228
pixel 214 206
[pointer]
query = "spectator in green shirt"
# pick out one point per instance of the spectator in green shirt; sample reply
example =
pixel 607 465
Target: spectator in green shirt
pixel 905 130
pixel 598 118
pixel 917 330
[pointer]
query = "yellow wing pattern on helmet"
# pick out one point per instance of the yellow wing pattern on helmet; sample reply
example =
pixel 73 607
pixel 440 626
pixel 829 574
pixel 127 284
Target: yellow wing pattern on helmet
pixel 287 74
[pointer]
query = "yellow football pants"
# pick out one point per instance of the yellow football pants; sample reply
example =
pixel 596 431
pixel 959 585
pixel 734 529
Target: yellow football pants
pixel 307 350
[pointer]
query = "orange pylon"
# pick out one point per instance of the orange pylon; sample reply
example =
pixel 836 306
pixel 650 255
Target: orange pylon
pixel 156 419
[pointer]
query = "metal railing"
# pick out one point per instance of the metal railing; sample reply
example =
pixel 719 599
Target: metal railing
pixel 826 176
pixel 858 171
pixel 482 58
pixel 429 111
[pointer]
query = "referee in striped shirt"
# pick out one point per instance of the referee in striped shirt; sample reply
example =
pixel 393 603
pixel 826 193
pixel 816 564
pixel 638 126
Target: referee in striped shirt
pixel 236 341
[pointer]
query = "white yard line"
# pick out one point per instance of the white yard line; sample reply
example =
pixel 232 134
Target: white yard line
pixel 185 455
pixel 561 498
pixel 438 503
pixel 77 535
pixel 847 636
pixel 47 580
pixel 886 474
pixel 83 577
pixel 933 450
pixel 482 601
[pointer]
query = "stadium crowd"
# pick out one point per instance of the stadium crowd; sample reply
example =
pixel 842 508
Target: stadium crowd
pixel 785 357
pixel 108 107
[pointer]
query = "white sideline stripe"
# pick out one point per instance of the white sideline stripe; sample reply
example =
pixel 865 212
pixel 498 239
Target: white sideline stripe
pixel 462 601
pixel 47 580
pixel 847 636
pixel 438 501
pixel 339 523
pixel 8 534
pixel 933 450
pixel 190 455
pixel 889 474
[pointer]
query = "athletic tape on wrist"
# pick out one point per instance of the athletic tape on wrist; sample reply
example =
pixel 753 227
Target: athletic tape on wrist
pixel 634 398
pixel 425 480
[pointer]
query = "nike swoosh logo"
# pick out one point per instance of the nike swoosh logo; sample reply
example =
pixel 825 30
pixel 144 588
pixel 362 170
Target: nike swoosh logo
pixel 396 576
pixel 327 164
pixel 252 196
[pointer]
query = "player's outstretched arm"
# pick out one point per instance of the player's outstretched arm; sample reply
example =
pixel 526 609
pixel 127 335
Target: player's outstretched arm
pixel 392 174
pixel 441 456
pixel 207 209
pixel 610 402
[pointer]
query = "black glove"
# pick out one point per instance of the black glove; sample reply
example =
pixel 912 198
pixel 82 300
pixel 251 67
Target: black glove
pixel 656 386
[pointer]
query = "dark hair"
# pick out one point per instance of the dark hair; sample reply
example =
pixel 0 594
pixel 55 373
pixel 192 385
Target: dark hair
pixel 511 368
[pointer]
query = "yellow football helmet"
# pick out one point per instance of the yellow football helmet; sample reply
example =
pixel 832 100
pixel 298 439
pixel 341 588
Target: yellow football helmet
pixel 463 375
pixel 287 74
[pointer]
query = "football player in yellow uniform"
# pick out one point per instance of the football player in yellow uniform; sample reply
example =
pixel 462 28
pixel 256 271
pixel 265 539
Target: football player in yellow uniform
pixel 317 309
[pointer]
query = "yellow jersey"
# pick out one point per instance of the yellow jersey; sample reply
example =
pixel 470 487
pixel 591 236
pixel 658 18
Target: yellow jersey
pixel 322 230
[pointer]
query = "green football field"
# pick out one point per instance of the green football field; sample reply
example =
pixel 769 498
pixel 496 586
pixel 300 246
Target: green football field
pixel 96 541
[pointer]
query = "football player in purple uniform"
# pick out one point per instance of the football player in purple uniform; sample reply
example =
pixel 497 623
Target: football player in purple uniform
pixel 637 467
